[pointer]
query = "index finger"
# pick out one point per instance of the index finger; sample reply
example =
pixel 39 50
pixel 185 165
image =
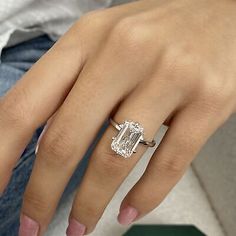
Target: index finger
pixel 35 97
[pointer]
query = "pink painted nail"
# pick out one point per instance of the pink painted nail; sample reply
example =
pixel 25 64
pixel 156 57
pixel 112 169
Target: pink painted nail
pixel 75 228
pixel 28 227
pixel 127 215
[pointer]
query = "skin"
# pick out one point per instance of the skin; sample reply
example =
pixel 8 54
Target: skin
pixel 151 61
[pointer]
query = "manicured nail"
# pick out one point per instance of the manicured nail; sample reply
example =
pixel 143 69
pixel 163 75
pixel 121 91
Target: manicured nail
pixel 75 228
pixel 127 215
pixel 28 227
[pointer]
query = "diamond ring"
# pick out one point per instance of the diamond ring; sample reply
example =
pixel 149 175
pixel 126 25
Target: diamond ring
pixel 129 136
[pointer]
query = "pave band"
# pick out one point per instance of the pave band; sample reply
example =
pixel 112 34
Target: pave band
pixel 130 135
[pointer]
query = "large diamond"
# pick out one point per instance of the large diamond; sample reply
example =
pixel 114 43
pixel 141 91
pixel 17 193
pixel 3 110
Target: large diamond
pixel 127 139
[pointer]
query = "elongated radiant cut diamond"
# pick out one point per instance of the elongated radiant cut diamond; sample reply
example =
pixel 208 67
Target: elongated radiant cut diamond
pixel 127 139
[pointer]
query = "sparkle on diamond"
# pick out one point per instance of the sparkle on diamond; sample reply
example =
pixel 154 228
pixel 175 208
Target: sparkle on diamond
pixel 127 139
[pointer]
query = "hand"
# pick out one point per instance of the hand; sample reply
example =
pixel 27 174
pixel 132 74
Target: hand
pixel 155 62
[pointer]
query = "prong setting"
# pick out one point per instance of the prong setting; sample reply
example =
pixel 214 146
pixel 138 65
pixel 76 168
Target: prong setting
pixel 126 141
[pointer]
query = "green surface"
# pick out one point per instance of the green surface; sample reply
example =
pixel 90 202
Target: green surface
pixel 163 230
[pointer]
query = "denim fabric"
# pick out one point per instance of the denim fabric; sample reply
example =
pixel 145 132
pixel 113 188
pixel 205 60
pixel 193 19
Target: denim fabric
pixel 15 61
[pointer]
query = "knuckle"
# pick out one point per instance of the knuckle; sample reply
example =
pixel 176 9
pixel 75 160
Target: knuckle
pixel 215 93
pixel 90 210
pixel 36 203
pixel 15 109
pixel 176 160
pixel 180 66
pixel 94 19
pixel 56 148
pixel 128 33
pixel 172 166
pixel 183 54
pixel 108 163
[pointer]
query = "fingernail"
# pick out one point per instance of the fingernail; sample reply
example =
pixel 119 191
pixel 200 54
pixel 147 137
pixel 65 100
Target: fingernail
pixel 75 228
pixel 127 215
pixel 28 227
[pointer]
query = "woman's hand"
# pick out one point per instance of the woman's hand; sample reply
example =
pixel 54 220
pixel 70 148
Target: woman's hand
pixel 151 61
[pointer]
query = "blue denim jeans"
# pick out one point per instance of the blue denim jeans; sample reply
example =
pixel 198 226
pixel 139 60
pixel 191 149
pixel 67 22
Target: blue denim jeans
pixel 15 61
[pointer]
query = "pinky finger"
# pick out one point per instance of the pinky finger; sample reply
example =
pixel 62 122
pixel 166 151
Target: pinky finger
pixel 188 132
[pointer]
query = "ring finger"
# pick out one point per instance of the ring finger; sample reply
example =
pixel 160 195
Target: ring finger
pixel 106 170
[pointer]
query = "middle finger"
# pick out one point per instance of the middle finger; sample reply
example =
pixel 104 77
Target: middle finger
pixel 67 138
pixel 106 171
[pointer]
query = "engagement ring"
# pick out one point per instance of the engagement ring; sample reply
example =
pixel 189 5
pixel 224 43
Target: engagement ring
pixel 129 136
